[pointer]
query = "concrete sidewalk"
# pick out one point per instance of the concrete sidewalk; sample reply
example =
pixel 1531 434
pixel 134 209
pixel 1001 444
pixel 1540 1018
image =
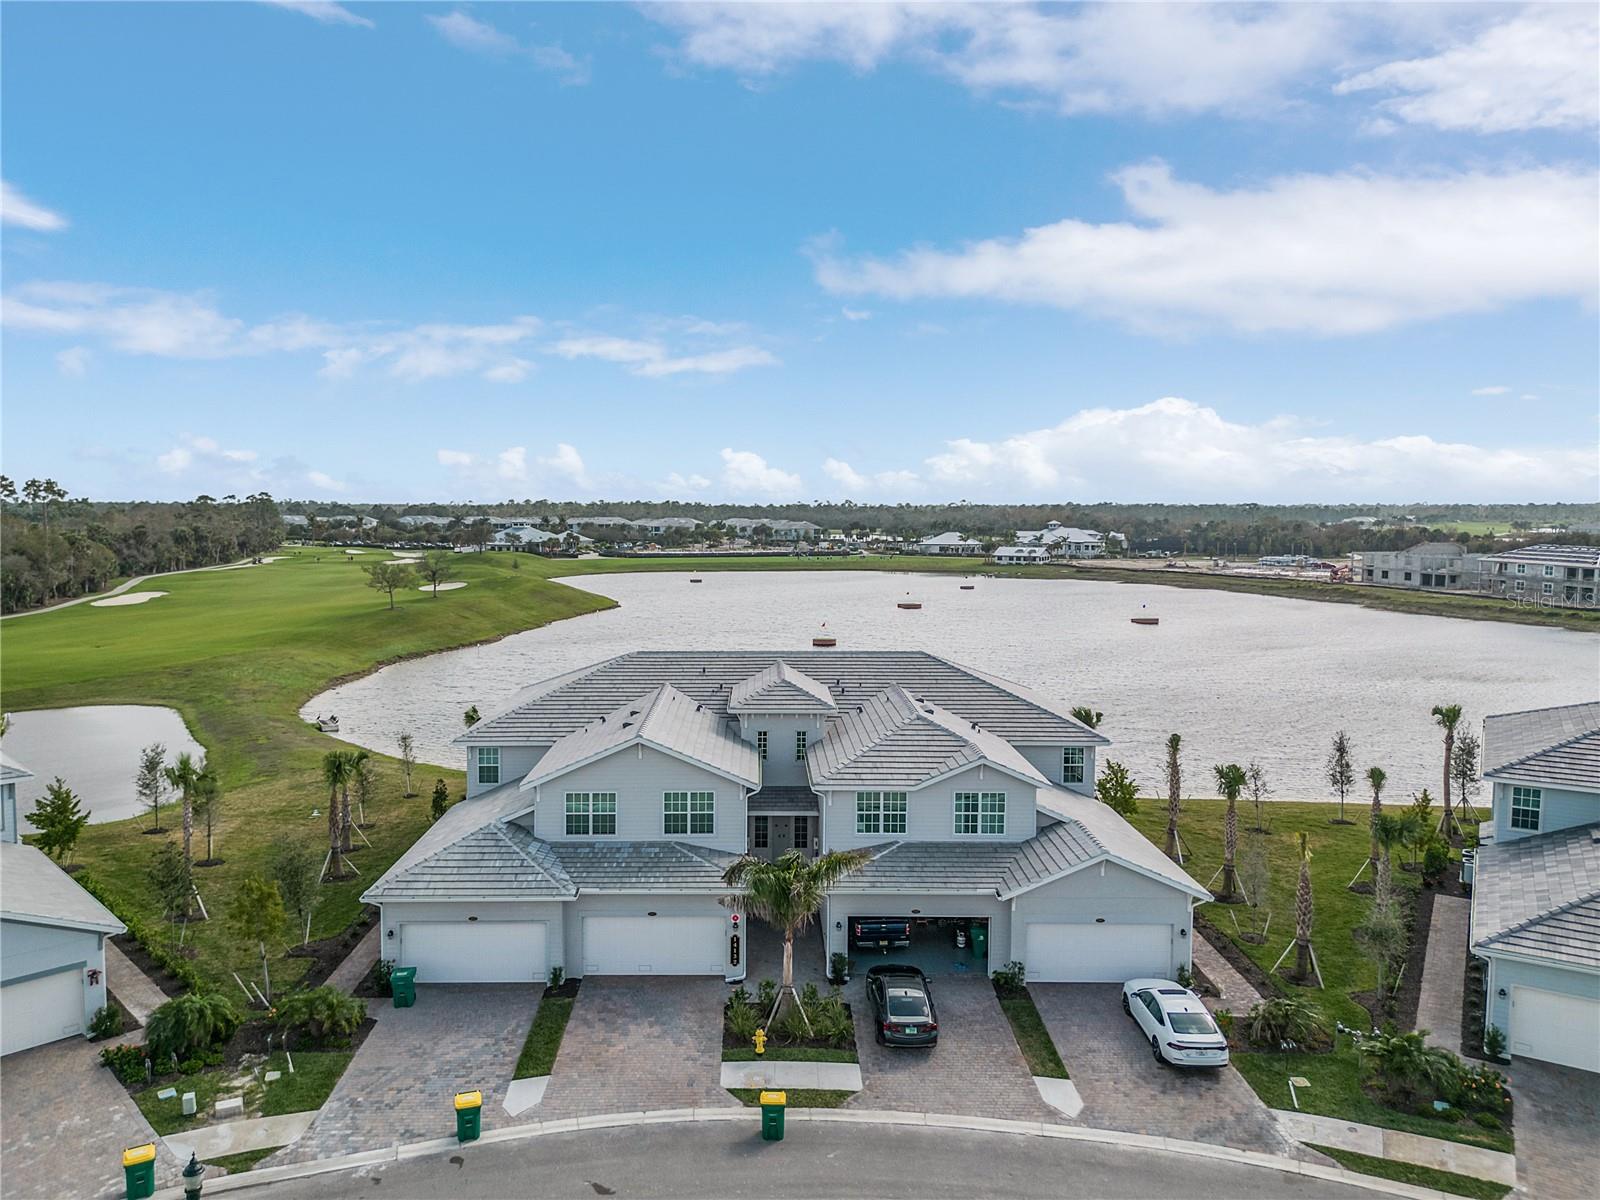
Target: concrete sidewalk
pixel 1444 972
pixel 235 1137
pixel 137 991
pixel 1472 1161
pixel 829 1076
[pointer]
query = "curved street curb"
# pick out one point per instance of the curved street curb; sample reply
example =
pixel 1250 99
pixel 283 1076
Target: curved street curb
pixel 671 1116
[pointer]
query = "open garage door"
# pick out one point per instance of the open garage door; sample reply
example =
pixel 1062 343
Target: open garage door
pixel 42 1010
pixel 1555 1028
pixel 475 951
pixel 1059 953
pixel 654 945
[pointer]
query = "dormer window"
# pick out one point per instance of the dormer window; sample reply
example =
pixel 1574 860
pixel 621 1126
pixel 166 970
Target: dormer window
pixel 1072 764
pixel 488 764
pixel 1525 803
pixel 980 813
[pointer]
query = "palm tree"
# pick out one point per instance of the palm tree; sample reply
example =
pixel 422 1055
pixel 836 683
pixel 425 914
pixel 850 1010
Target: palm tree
pixel 336 774
pixel 1085 715
pixel 1447 717
pixel 1389 832
pixel 184 778
pixel 786 893
pixel 1174 788
pixel 355 761
pixel 1376 778
pixel 1303 959
pixel 1231 780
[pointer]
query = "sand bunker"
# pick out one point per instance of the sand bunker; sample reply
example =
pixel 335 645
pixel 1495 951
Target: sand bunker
pixel 443 587
pixel 120 601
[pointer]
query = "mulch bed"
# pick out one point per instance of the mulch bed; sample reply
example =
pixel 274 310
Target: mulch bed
pixel 730 1042
pixel 128 1022
pixel 140 958
pixel 1237 958
pixel 567 991
pixel 329 952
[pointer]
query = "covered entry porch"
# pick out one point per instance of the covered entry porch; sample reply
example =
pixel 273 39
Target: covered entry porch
pixel 782 819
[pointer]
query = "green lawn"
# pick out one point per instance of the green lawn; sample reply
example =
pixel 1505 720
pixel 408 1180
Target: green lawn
pixel 1439 1181
pixel 543 1043
pixel 1033 1039
pixel 236 1164
pixel 791 1054
pixel 796 1097
pixel 303 1090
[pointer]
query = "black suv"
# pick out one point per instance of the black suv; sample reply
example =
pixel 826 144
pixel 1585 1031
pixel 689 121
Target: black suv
pixel 902 1006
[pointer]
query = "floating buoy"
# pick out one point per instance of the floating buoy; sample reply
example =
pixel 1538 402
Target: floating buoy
pixel 1146 620
pixel 967 587
pixel 694 581
pixel 824 640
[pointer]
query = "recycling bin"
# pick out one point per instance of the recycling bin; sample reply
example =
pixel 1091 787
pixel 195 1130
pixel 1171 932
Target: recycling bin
pixel 980 942
pixel 139 1170
pixel 403 983
pixel 772 1106
pixel 469 1116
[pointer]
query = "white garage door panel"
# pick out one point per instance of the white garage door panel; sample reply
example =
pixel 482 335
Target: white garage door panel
pixel 1097 953
pixel 41 1010
pixel 1555 1028
pixel 653 945
pixel 474 952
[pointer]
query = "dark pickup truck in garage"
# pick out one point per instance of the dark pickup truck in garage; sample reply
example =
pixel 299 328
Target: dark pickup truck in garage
pixel 879 933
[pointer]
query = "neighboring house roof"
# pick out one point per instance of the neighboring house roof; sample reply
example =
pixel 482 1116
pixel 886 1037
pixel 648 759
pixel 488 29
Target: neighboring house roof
pixel 1568 556
pixel 1558 747
pixel 664 719
pixel 1539 897
pixel 38 892
pixel 898 740
pixel 11 770
pixel 780 688
pixel 1448 549
pixel 1039 552
pixel 948 539
pixel 670 523
pixel 555 707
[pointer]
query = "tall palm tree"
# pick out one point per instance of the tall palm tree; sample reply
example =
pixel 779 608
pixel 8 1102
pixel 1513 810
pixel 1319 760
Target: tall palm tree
pixel 1087 716
pixel 1389 832
pixel 1174 789
pixel 1447 717
pixel 1230 782
pixel 786 893
pixel 1303 913
pixel 183 777
pixel 336 774
pixel 1376 778
pixel 354 761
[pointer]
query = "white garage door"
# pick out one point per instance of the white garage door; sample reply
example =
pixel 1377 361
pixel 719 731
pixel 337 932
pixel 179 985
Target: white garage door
pixel 41 1010
pixel 653 945
pixel 475 951
pixel 1097 953
pixel 1555 1028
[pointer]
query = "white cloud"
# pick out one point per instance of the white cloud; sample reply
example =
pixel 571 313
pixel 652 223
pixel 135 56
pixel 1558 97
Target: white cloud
pixel 1539 69
pixel 855 314
pixel 745 474
pixel 1493 390
pixel 194 450
pixel 1328 254
pixel 325 11
pixel 566 463
pixel 17 209
pixel 882 483
pixel 653 360
pixel 511 465
pixel 715 362
pixel 478 37
pixel 454 458
pixel 74 360
pixel 610 349
pixel 679 484
pixel 326 482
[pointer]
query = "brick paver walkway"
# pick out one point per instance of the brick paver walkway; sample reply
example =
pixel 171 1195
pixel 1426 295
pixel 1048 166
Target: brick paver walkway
pixel 639 1042
pixel 137 991
pixel 348 974
pixel 64 1123
pixel 401 1085
pixel 1238 995
pixel 1123 1087
pixel 1557 1113
pixel 1443 972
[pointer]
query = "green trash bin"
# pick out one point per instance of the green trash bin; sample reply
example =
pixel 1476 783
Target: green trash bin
pixel 979 938
pixel 403 984
pixel 469 1116
pixel 139 1170
pixel 772 1106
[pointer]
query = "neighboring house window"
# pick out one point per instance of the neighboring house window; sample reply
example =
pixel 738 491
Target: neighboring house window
pixel 880 812
pixel 1549 570
pixel 488 764
pixel 1072 764
pixel 1549 588
pixel 591 814
pixel 689 813
pixel 1525 807
pixel 761 743
pixel 760 837
pixel 1522 568
pixel 980 813
pixel 1385 574
pixel 800 746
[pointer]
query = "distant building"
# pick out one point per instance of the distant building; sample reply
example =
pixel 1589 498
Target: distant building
pixel 1063 541
pixel 1021 556
pixel 413 520
pixel 350 521
pixel 598 522
pixel 531 537
pixel 656 526
pixel 1548 573
pixel 951 543
pixel 1435 566
pixel 782 530
pixel 295 520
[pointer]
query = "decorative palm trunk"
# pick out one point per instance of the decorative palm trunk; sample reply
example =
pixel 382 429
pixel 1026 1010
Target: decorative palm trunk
pixel 1374 851
pixel 1303 915
pixel 188 827
pixel 344 819
pixel 1230 849
pixel 1448 821
pixel 1382 882
pixel 333 831
pixel 1174 786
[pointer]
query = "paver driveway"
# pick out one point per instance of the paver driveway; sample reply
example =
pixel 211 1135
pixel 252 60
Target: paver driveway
pixel 636 1043
pixel 401 1085
pixel 1123 1087
pixel 1557 1113
pixel 64 1123
pixel 975 1070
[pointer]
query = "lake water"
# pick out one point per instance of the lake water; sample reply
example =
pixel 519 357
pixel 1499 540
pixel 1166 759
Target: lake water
pixel 96 750
pixel 1239 676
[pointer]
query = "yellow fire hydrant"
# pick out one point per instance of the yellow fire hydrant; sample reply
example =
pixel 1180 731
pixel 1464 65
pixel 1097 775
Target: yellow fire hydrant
pixel 760 1040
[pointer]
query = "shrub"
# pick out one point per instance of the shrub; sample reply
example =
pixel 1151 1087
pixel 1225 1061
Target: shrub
pixel 1435 862
pixel 321 1014
pixel 1481 1088
pixel 1408 1069
pixel 558 976
pixel 1494 1042
pixel 1488 1120
pixel 1184 977
pixel 838 967
pixel 383 976
pixel 1224 1018
pixel 106 1022
pixel 1283 1019
pixel 1010 979
pixel 184 1027
pixel 126 1062
pixel 154 945
pixel 766 995
pixel 791 1025
pixel 741 1018
pixel 831 1020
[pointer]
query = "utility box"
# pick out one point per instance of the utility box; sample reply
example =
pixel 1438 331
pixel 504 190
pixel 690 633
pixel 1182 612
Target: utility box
pixel 772 1106
pixel 469 1116
pixel 139 1170
pixel 403 984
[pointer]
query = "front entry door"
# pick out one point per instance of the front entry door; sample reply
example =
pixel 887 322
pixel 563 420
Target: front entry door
pixel 782 836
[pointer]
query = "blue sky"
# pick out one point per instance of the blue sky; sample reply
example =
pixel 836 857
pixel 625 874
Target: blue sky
pixel 761 253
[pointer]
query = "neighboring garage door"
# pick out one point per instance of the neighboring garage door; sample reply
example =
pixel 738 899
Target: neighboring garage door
pixel 1555 1028
pixel 653 945
pixel 1097 953
pixel 41 1010
pixel 474 952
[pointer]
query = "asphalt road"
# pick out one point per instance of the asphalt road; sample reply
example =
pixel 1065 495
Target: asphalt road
pixel 697 1162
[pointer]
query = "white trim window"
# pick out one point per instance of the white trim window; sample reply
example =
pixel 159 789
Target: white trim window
pixel 800 745
pixel 1522 568
pixel 761 744
pixel 980 814
pixel 591 814
pixel 1525 804
pixel 760 833
pixel 688 813
pixel 488 758
pixel 880 812
pixel 1549 571
pixel 1072 764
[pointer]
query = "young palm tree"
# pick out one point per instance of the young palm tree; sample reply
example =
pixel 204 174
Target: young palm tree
pixel 1303 913
pixel 183 777
pixel 1174 788
pixel 1083 714
pixel 1231 780
pixel 336 774
pixel 1447 717
pixel 355 760
pixel 786 893
pixel 1376 779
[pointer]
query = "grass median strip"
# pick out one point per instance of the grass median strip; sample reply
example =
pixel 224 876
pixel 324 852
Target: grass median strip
pixel 791 1054
pixel 796 1097
pixel 1440 1181
pixel 543 1043
pixel 1033 1039
pixel 236 1164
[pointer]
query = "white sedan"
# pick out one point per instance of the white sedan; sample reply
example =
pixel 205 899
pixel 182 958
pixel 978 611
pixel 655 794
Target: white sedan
pixel 1180 1030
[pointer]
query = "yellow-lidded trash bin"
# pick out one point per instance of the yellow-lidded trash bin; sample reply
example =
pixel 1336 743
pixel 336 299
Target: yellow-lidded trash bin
pixel 139 1170
pixel 469 1116
pixel 772 1106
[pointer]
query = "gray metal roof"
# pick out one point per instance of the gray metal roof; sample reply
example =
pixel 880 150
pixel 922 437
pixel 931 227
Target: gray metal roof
pixel 1539 897
pixel 558 706
pixel 1566 556
pixel 33 889
pixel 663 718
pixel 898 740
pixel 652 866
pixel 799 800
pixel 780 688
pixel 1559 747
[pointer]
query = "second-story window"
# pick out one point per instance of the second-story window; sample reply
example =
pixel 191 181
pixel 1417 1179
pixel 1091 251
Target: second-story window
pixel 761 744
pixel 1525 807
pixel 488 764
pixel 800 746
pixel 688 813
pixel 982 813
pixel 880 812
pixel 591 814
pixel 1072 764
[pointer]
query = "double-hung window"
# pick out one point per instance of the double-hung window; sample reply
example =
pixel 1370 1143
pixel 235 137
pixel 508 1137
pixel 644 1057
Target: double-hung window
pixel 761 743
pixel 800 746
pixel 982 813
pixel 688 813
pixel 1525 807
pixel 591 814
pixel 760 833
pixel 1072 764
pixel 880 812
pixel 488 764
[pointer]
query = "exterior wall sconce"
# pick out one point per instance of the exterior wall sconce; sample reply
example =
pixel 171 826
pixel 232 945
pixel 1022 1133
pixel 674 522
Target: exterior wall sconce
pixel 389 935
pixel 1183 933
